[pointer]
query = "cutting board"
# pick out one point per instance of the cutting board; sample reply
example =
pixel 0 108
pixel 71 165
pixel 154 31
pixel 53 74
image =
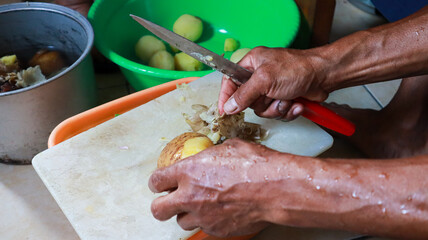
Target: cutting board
pixel 99 177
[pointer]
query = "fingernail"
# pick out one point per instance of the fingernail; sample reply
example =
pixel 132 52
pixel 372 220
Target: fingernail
pixel 230 106
pixel 297 111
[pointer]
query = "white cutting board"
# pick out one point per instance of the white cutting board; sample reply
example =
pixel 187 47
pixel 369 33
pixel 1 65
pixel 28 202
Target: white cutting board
pixel 99 177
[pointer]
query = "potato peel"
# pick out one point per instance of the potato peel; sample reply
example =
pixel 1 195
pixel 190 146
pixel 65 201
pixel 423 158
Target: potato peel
pixel 206 120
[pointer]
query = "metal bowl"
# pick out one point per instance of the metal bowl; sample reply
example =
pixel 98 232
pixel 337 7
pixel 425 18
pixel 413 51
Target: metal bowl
pixel 28 115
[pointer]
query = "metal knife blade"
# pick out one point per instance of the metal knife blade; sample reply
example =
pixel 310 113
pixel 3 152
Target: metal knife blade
pixel 209 58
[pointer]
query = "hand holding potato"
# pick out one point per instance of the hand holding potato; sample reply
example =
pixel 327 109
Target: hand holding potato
pixel 213 185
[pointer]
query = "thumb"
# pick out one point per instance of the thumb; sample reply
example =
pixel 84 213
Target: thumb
pixel 244 96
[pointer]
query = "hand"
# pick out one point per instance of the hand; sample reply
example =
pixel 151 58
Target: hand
pixel 82 6
pixel 222 190
pixel 279 76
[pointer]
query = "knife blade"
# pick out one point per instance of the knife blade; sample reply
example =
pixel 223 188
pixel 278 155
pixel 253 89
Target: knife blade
pixel 313 111
pixel 211 59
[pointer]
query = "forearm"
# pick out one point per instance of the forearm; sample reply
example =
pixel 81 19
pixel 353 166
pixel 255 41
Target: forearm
pixel 386 52
pixel 378 197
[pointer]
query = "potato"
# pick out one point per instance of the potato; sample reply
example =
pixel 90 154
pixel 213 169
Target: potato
pixel 147 46
pixel 239 54
pixel 162 59
pixel 9 60
pixel 50 62
pixel 230 45
pixel 189 27
pixel 183 146
pixel 9 64
pixel 174 49
pixel 184 62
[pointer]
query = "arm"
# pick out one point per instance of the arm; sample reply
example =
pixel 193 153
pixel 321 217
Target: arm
pixel 387 52
pixel 376 197
pixel 238 188
pixel 390 51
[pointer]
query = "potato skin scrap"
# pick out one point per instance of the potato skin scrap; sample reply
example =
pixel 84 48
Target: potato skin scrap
pixel 172 152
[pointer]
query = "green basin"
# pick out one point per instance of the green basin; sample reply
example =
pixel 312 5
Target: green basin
pixel 253 23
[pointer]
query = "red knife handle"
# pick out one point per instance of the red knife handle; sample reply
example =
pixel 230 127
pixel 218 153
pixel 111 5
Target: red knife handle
pixel 325 117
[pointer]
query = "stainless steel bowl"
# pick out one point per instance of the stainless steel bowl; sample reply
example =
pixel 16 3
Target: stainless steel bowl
pixel 28 115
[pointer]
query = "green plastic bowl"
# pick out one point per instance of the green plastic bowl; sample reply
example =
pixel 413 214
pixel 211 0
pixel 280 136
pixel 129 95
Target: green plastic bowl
pixel 253 23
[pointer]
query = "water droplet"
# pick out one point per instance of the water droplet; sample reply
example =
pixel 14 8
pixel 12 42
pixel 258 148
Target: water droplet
pixel 199 179
pixel 209 195
pixel 318 187
pixel 402 206
pixel 309 177
pixel 383 210
pixel 354 195
pixel 266 178
pixel 417 33
pixel 404 211
pixel 336 180
pixel 219 184
pixel 379 202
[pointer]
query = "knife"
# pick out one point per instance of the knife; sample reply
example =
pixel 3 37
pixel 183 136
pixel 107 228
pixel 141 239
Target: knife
pixel 312 110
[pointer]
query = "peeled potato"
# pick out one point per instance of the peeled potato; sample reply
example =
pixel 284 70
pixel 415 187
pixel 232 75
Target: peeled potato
pixel 147 46
pixel 230 45
pixel 183 146
pixel 184 62
pixel 162 59
pixel 49 61
pixel 188 26
pixel 174 49
pixel 239 54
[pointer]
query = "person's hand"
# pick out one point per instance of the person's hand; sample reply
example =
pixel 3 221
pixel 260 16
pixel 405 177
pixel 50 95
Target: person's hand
pixel 221 190
pixel 279 76
pixel 82 6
